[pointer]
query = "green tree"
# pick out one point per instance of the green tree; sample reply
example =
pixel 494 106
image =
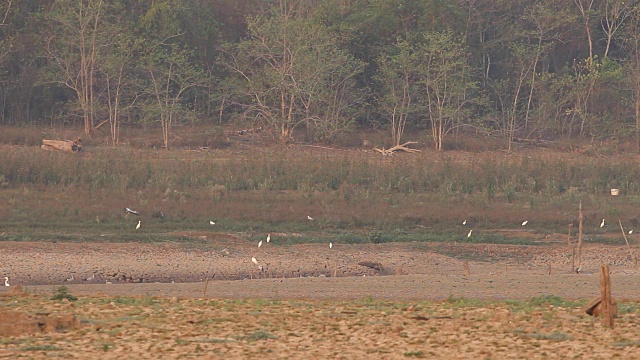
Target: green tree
pixel 170 75
pixel 170 71
pixel 6 8
pixel 397 75
pixel 631 42
pixel 121 87
pixel 445 83
pixel 289 72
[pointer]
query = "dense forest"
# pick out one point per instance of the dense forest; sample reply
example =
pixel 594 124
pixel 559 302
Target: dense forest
pixel 540 69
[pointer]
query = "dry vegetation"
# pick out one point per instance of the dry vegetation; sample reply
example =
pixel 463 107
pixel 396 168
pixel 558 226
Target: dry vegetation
pixel 144 327
pixel 252 185
pixel 356 196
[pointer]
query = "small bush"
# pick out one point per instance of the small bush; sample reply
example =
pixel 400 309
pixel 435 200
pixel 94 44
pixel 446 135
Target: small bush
pixel 63 293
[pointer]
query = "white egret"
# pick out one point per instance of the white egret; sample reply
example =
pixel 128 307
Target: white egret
pixel 330 245
pixel 525 222
pixel 138 226
pixel 211 222
pixel 630 232
pixel 464 222
pixel 71 278
pixel 602 223
pixel 6 281
pixel 469 234
pixel 254 260
pixel 260 243
pixel 131 211
pixel 309 217
pixel 268 237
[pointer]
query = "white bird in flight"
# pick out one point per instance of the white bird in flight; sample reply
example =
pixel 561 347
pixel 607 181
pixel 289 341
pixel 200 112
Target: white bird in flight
pixel 139 223
pixel 525 222
pixel 212 222
pixel 260 243
pixel 602 223
pixel 6 281
pixel 131 211
pixel 254 260
pixel 309 217
pixel 268 237
pixel 469 234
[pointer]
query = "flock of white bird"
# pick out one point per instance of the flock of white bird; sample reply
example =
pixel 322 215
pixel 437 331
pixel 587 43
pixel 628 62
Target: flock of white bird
pixel 253 258
pixel 524 223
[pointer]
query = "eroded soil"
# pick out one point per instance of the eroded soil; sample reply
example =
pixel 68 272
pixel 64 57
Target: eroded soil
pixel 209 300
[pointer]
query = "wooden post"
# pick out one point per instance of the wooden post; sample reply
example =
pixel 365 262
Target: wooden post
pixel 605 295
pixel 580 218
pixel 572 250
pixel 465 266
pixel 627 241
pixel 204 292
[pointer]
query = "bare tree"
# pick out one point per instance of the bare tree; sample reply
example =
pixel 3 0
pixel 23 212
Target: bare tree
pixel 290 72
pixel 586 9
pixel 632 67
pixel 397 76
pixel 171 74
pixel 615 13
pixel 74 46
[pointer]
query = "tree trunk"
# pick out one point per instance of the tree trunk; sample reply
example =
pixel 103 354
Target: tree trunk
pixel 637 94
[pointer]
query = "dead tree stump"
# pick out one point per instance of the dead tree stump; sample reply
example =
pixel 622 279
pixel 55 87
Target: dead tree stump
pixel 605 295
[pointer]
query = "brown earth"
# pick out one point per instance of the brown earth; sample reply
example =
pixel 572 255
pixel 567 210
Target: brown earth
pixel 410 271
pixel 149 301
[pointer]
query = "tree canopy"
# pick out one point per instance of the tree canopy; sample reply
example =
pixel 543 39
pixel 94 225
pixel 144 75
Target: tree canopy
pixel 533 69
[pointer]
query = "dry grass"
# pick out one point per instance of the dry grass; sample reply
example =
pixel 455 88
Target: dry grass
pixel 139 327
pixel 253 186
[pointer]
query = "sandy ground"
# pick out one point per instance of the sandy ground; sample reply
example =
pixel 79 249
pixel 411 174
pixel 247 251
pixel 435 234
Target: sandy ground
pixel 149 301
pixel 223 269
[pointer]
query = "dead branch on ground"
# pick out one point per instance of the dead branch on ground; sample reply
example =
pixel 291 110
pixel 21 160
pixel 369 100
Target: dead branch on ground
pixel 393 150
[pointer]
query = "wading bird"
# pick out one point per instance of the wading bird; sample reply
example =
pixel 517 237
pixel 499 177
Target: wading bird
pixel 6 281
pixel 469 234
pixel 268 237
pixel 260 243
pixel 254 260
pixel 211 222
pixel 330 245
pixel 464 222
pixel 139 223
pixel 309 217
pixel 602 223
pixel 525 222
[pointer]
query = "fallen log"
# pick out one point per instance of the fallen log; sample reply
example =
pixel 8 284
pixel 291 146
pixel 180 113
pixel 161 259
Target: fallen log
pixel 62 145
pixel 393 150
